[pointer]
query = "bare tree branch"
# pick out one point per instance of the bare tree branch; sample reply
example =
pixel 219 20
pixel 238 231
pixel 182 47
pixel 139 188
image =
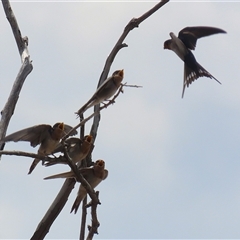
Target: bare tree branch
pixel 83 219
pixel 80 178
pixel 62 197
pixel 135 22
pixel 25 154
pixel 22 43
pixel 25 69
pixel 54 209
pixel 95 223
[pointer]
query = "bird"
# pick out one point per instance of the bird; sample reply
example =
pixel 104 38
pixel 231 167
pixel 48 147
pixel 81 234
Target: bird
pixel 94 175
pixel 77 149
pixel 45 135
pixel 182 46
pixel 104 91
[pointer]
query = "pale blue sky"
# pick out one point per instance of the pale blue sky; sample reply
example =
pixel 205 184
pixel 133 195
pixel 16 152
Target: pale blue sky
pixel 173 163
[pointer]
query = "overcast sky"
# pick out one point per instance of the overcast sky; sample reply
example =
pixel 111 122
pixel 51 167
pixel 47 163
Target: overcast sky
pixel 173 163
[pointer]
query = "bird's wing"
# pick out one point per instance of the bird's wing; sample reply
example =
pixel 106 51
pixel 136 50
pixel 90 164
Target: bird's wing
pixel 69 142
pixel 34 135
pixel 67 128
pixel 190 35
pixel 105 174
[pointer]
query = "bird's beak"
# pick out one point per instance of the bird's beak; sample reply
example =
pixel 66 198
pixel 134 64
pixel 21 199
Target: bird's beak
pixel 89 138
pixel 121 73
pixel 101 163
pixel 61 126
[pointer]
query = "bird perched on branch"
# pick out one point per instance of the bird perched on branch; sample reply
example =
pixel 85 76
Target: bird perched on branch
pixel 94 175
pixel 77 149
pixel 104 91
pixel 47 136
pixel 182 46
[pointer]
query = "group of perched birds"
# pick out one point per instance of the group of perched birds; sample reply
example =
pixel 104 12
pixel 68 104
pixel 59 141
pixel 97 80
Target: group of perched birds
pixel 49 137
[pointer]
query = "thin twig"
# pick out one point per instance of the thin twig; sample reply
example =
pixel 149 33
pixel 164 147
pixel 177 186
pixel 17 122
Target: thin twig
pixel 135 86
pixel 25 154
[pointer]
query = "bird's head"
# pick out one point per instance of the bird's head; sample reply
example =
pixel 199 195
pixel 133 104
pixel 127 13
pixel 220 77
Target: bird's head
pixel 88 138
pixel 58 126
pixel 120 73
pixel 61 126
pixel 99 163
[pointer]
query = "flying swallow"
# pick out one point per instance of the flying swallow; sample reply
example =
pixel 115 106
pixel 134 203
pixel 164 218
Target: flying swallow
pixel 47 136
pixel 77 149
pixel 94 175
pixel 182 46
pixel 104 91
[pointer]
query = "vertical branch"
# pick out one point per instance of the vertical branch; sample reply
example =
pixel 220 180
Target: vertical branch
pixel 25 69
pixel 83 219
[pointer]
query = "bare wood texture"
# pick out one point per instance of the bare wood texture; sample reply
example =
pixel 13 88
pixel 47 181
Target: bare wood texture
pixel 25 69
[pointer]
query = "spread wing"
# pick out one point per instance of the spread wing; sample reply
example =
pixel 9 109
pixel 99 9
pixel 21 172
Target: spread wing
pixel 67 128
pixel 190 35
pixel 34 135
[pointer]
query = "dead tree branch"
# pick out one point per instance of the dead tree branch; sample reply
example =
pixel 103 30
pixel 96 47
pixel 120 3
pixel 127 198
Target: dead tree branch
pixel 62 197
pixel 25 69
pixel 95 223
pixel 135 22
pixel 25 154
pixel 54 209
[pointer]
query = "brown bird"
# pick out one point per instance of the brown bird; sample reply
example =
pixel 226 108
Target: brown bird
pixel 94 175
pixel 105 91
pixel 47 136
pixel 77 149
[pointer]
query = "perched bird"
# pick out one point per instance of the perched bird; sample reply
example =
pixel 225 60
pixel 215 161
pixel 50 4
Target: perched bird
pixel 104 91
pixel 77 149
pixel 182 46
pixel 94 175
pixel 47 136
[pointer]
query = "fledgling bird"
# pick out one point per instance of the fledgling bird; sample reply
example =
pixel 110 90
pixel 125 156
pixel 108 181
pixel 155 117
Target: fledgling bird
pixel 94 175
pixel 77 149
pixel 182 46
pixel 47 136
pixel 104 91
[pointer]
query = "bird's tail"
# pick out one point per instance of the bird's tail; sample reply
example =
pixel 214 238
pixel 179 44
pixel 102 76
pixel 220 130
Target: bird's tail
pixel 61 175
pixel 191 75
pixel 33 165
pixel 202 72
pixel 84 107
pixel 77 202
